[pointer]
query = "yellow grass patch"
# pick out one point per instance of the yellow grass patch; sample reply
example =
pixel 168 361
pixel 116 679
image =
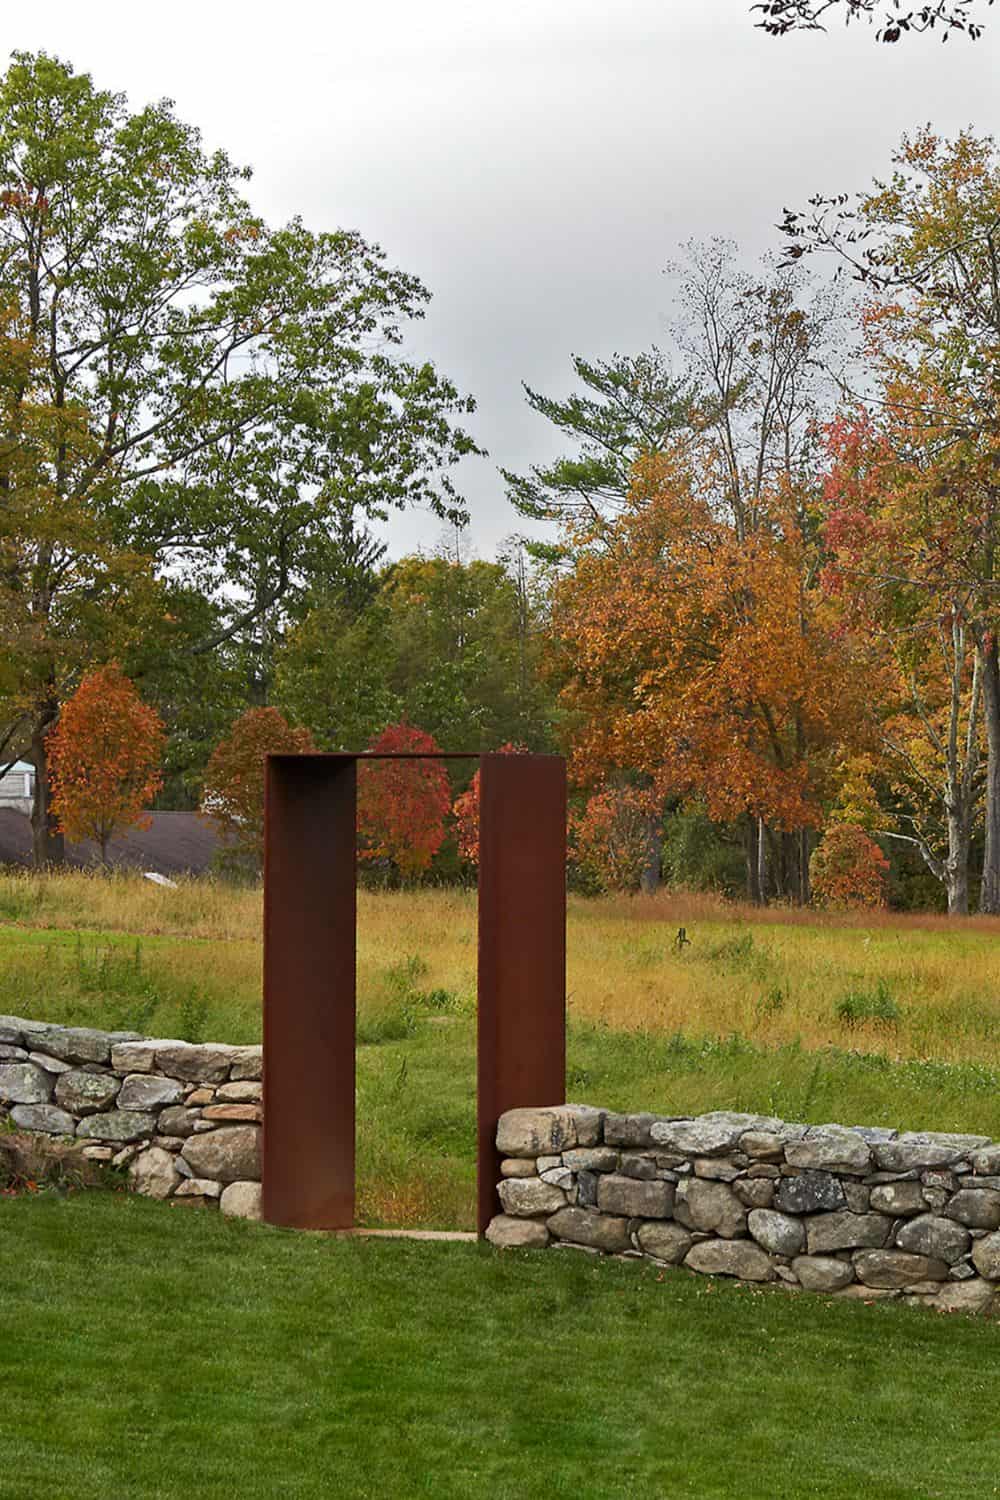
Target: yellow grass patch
pixel 776 976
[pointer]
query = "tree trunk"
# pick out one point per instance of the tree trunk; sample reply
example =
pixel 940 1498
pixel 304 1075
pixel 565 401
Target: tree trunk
pixel 789 881
pixel 989 898
pixel 649 881
pixel 794 882
pixel 777 864
pixel 753 861
pixel 956 870
pixel 48 845
pixel 761 863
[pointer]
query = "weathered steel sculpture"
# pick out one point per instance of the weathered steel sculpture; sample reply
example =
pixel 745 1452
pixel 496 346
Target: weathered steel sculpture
pixel 310 900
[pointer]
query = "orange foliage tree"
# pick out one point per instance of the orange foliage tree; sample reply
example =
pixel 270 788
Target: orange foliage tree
pixel 402 804
pixel 104 755
pixel 701 657
pixel 611 836
pixel 466 811
pixel 848 869
pixel 233 789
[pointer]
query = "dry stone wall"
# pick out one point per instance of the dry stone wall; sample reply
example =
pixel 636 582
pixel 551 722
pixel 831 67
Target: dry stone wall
pixel 183 1118
pixel 853 1212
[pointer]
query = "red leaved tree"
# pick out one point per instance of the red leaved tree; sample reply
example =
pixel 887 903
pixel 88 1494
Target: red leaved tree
pixel 466 811
pixel 402 804
pixel 104 755
pixel 233 789
pixel 848 869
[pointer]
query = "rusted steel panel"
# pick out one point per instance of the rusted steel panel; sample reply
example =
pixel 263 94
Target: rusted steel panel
pixel 310 900
pixel 309 990
pixel 522 947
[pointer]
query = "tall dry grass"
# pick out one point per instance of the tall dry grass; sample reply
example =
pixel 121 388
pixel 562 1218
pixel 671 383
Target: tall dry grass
pixel 777 976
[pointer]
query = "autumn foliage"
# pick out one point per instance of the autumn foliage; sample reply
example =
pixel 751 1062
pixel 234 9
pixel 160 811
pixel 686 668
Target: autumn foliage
pixel 611 836
pixel 233 789
pixel 699 656
pixel 901 566
pixel 402 804
pixel 104 755
pixel 848 869
pixel 466 811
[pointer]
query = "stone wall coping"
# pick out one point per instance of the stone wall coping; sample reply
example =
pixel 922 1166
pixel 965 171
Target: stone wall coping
pixel 88 1044
pixel 713 1133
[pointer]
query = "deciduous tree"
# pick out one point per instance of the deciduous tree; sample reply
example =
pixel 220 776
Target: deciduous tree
pixel 748 388
pixel 779 17
pixel 402 804
pixel 885 531
pixel 926 246
pixel 455 647
pixel 217 393
pixel 699 658
pixel 104 759
pixel 233 791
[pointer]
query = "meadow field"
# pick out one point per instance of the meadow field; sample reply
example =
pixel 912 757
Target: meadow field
pixel 887 1021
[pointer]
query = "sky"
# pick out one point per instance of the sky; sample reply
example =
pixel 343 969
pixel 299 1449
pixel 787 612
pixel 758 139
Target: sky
pixel 536 164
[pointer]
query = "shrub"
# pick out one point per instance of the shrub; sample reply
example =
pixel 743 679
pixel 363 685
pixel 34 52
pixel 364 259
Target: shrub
pixel 848 870
pixel 876 1006
pixel 29 1162
pixel 612 837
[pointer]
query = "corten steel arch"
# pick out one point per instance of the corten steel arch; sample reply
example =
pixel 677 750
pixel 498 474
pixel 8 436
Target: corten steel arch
pixel 310 902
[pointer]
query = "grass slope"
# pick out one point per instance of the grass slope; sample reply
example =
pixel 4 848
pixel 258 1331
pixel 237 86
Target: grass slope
pixel 157 1354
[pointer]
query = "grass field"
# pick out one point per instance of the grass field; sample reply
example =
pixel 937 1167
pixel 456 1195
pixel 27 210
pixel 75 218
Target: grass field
pixel 200 1356
pixel 896 1022
pixel 908 986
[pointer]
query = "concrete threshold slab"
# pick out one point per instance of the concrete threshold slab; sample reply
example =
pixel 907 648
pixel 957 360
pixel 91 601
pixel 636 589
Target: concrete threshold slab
pixel 411 1234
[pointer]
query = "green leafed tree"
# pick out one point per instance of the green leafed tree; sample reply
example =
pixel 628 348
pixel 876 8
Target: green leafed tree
pixel 629 405
pixel 453 647
pixel 213 394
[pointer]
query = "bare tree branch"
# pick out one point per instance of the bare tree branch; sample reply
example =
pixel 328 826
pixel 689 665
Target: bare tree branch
pixel 779 17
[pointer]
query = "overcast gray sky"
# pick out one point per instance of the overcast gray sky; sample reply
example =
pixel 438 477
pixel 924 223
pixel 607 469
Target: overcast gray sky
pixel 537 166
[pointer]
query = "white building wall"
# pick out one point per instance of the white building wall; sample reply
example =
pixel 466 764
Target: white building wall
pixel 17 788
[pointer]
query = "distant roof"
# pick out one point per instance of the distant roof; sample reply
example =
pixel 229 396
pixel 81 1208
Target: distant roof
pixel 175 843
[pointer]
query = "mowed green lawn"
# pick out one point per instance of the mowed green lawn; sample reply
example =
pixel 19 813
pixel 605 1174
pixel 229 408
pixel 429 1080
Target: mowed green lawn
pixel 152 1353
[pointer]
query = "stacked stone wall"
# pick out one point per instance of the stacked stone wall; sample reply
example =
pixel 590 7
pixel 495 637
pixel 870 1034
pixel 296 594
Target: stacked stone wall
pixel 183 1118
pixel 848 1211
